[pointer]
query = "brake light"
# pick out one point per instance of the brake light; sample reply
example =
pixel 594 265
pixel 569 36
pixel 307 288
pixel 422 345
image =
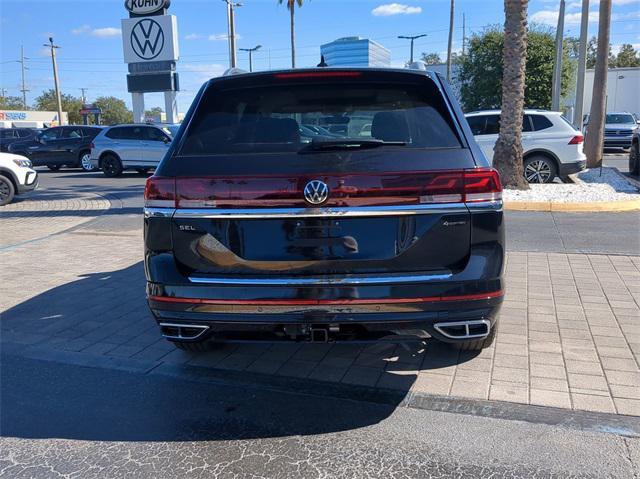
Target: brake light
pixel 160 192
pixel 482 184
pixel 322 74
pixel 576 140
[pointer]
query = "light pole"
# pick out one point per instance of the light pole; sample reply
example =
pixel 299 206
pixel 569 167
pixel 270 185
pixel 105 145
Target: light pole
pixel 251 50
pixel 556 81
pixel 412 38
pixel 231 29
pixel 55 77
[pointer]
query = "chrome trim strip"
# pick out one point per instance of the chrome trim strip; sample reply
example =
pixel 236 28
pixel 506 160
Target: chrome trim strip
pixel 358 211
pixel 496 205
pixel 438 327
pixel 371 280
pixel 158 212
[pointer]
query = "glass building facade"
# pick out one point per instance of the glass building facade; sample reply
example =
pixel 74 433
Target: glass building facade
pixel 355 52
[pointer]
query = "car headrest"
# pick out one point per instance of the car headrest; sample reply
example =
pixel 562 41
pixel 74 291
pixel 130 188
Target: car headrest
pixel 390 126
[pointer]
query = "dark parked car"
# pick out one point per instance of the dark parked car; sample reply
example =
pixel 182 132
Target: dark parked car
pixel 59 146
pixel 252 233
pixel 11 135
pixel 634 154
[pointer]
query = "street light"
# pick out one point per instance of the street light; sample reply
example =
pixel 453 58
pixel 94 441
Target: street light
pixel 412 38
pixel 231 29
pixel 251 50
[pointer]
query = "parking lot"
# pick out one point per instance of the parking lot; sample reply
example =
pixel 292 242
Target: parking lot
pixel 568 336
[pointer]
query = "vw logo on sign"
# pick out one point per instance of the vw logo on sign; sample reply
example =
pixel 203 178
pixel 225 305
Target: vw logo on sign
pixel 147 39
pixel 316 192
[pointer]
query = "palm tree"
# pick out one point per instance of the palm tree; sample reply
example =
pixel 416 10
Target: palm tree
pixel 291 5
pixel 595 131
pixel 508 155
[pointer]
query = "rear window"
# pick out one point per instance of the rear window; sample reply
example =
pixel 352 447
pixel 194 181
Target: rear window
pixel 286 118
pixel 540 122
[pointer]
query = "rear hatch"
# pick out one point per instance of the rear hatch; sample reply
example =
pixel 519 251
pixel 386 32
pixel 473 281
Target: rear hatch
pixel 384 192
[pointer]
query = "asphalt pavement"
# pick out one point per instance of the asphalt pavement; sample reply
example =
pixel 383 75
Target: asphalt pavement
pixel 155 426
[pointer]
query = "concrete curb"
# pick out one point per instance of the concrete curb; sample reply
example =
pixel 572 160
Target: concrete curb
pixel 595 206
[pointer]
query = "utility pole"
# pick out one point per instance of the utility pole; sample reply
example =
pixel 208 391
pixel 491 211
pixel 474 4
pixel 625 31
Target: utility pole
pixel 24 89
pixel 251 50
pixel 412 38
pixel 582 65
pixel 55 77
pixel 4 92
pixel 450 43
pixel 464 34
pixel 231 29
pixel 84 96
pixel 557 70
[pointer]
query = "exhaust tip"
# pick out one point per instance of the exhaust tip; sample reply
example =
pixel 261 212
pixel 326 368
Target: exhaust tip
pixel 475 329
pixel 182 331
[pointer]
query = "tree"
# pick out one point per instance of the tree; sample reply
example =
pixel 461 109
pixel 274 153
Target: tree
pixel 291 6
pixel 114 110
pixel 431 58
pixel 627 57
pixel 11 103
pixel 595 133
pixel 508 153
pixel 481 70
pixel 71 104
pixel 592 51
pixel 155 112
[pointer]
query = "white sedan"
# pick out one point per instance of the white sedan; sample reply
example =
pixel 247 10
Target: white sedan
pixel 552 146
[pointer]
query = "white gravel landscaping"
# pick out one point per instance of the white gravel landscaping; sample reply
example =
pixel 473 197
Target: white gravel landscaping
pixel 589 186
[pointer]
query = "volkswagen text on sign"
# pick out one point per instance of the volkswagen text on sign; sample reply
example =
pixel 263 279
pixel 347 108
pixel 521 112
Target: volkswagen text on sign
pixel 145 7
pixel 148 39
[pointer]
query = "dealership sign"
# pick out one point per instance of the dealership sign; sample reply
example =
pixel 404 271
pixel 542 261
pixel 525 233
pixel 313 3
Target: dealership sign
pixel 147 39
pixel 145 7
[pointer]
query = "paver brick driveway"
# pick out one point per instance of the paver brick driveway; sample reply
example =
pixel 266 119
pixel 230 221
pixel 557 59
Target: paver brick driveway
pixel 569 335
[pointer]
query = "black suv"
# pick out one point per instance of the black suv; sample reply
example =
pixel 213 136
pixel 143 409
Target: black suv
pixel 59 146
pixel 395 226
pixel 9 136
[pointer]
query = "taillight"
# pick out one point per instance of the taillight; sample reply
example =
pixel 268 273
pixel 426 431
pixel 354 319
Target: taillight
pixel 482 184
pixel 576 140
pixel 345 190
pixel 160 192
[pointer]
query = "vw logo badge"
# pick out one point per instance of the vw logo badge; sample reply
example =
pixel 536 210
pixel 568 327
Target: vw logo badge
pixel 316 192
pixel 147 39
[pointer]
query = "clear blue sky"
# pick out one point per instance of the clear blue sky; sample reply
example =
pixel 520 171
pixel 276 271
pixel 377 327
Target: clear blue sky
pixel 91 53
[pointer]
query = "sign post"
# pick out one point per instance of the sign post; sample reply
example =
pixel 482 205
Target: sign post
pixel 150 46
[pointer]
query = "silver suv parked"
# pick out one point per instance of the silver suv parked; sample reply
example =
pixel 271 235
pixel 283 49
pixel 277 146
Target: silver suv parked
pixel 126 147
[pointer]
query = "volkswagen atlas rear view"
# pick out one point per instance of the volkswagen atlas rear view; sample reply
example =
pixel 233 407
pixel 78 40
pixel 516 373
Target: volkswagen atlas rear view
pixel 380 216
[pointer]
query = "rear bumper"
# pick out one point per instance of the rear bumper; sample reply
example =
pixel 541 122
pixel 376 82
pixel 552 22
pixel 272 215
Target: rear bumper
pixel 363 305
pixel 565 169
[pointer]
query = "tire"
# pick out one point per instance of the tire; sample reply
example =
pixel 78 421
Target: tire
pixel 111 166
pixel 7 191
pixel 540 169
pixel 54 167
pixel 479 344
pixel 195 347
pixel 85 161
pixel 634 160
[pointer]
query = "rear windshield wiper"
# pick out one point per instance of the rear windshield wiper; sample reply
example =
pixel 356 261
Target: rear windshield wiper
pixel 347 144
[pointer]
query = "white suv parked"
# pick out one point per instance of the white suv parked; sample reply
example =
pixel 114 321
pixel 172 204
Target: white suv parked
pixel 16 177
pixel 552 146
